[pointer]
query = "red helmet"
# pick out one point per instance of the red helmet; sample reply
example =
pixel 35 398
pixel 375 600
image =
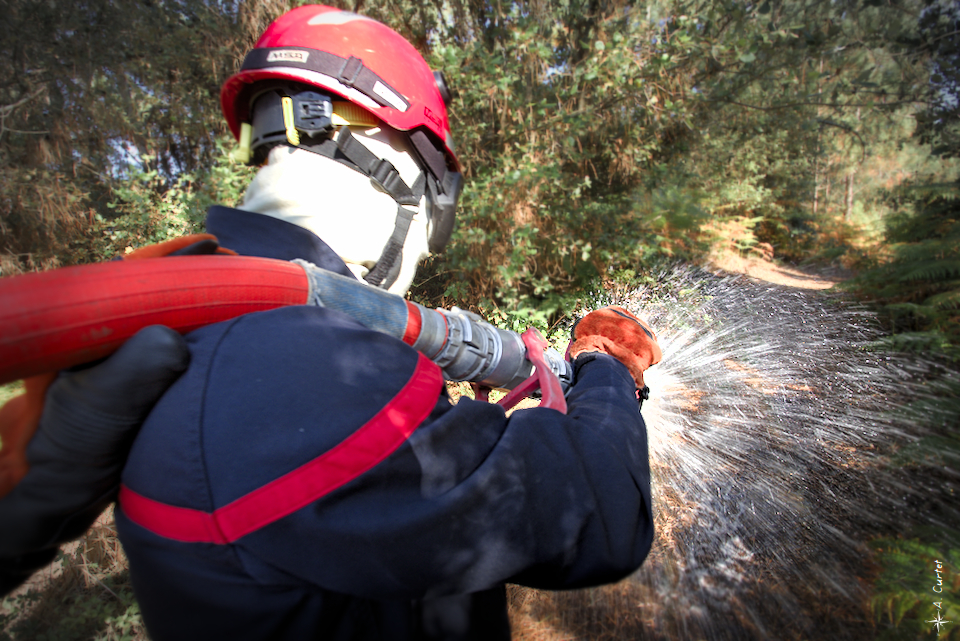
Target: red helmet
pixel 360 60
pixel 369 65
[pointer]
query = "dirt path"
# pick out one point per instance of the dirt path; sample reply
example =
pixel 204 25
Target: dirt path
pixel 771 272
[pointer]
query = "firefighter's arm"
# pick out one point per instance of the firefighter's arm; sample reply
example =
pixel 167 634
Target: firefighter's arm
pixel 471 499
pixel 475 499
pixel 89 420
pixel 594 483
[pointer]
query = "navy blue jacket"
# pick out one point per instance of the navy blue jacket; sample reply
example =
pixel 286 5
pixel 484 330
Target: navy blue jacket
pixel 235 531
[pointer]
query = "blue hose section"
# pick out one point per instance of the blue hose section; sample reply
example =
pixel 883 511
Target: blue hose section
pixel 459 347
pixel 374 308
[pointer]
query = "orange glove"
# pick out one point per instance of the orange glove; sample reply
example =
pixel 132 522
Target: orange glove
pixel 617 332
pixel 185 245
pixel 19 418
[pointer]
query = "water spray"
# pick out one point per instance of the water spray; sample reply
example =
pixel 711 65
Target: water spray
pixel 770 427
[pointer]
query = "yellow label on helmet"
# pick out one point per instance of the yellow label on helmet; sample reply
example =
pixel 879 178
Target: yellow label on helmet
pixel 347 113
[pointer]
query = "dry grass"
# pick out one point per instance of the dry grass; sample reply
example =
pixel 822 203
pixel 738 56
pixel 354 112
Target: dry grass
pixel 608 613
pixel 84 594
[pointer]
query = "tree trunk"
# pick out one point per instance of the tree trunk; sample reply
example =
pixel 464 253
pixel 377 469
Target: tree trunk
pixel 816 181
pixel 816 162
pixel 848 213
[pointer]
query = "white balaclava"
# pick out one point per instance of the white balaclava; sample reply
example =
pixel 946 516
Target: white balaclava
pixel 342 206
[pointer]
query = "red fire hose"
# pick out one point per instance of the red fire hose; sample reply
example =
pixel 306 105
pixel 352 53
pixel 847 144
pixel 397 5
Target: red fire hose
pixel 64 317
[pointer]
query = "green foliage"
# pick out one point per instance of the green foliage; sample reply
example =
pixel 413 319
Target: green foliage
pixel 150 210
pixel 93 93
pixel 940 40
pixel 916 286
pixel 904 601
pixel 85 595
pixel 904 598
pixel 919 284
pixel 939 411
pixel 555 136
pixel 88 615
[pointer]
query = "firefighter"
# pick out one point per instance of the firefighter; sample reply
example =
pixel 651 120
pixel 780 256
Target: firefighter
pixel 301 476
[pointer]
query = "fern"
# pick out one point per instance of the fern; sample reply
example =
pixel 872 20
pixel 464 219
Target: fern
pixel 916 342
pixel 938 411
pixel 918 287
pixel 917 310
pixel 945 300
pixel 904 602
pixel 918 292
pixel 933 270
pixel 930 450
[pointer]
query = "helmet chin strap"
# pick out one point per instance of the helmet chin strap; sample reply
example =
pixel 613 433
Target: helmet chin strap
pixel 349 151
pixel 302 118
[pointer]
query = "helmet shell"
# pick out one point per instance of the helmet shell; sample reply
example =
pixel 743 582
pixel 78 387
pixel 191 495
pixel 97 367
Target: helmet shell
pixel 346 35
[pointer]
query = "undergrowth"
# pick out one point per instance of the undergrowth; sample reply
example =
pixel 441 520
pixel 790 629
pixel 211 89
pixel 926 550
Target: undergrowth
pixel 84 595
pixel 916 288
pixel 917 582
pixel 905 599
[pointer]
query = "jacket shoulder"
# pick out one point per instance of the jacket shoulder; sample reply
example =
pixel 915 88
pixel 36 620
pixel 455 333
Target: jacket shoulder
pixel 264 394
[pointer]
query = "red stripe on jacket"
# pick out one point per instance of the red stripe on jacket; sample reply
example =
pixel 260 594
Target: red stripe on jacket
pixel 361 451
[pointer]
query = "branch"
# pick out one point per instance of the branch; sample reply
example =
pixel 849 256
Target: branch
pixel 7 110
pixel 941 37
pixel 839 125
pixel 20 131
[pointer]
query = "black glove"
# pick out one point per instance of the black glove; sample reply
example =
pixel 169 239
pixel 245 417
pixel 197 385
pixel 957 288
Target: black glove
pixel 89 421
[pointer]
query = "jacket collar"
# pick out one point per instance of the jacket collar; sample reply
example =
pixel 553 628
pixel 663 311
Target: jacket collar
pixel 251 234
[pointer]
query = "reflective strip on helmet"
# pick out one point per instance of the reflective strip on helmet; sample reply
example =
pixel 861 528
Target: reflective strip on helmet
pixel 387 94
pixel 337 18
pixel 319 80
pixel 349 72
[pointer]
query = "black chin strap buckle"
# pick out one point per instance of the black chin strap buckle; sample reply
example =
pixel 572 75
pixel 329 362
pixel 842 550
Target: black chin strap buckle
pixel 380 170
pixel 386 175
pixel 642 395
